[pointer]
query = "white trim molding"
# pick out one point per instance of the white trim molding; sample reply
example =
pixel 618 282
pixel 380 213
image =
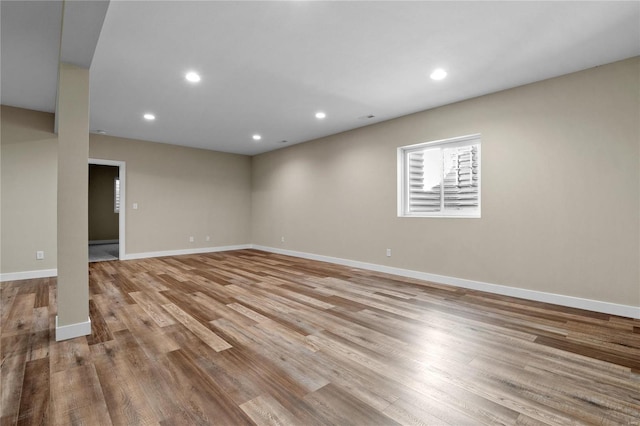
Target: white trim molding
pixel 28 275
pixel 65 332
pixel 133 256
pixel 538 296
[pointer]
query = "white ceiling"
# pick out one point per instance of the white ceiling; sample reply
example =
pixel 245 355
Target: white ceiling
pixel 268 67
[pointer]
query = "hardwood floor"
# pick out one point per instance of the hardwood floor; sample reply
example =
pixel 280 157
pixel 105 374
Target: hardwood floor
pixel 248 337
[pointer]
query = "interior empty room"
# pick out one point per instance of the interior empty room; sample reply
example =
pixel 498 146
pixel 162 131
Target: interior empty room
pixel 320 213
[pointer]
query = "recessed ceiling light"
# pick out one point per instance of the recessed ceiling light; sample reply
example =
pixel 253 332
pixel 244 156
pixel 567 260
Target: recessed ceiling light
pixel 257 137
pixel 192 77
pixel 320 115
pixel 366 117
pixel 149 117
pixel 438 74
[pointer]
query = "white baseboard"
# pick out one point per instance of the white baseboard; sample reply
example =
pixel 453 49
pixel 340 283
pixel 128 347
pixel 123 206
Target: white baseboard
pixel 28 275
pixel 539 296
pixel 98 242
pixel 132 256
pixel 65 332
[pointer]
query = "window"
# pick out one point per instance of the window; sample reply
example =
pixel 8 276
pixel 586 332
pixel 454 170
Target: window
pixel 116 195
pixel 440 178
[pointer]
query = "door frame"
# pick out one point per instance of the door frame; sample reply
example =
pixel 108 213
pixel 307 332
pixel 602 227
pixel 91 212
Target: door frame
pixel 122 172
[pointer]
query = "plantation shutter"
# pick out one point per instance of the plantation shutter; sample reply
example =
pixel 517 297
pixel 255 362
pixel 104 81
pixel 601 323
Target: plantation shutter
pixel 116 196
pixel 425 170
pixel 461 178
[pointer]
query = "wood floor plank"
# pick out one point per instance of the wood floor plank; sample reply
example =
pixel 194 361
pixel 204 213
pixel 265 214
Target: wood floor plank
pixel 34 403
pixel 206 335
pixel 124 398
pixel 426 408
pixel 152 378
pixel 69 354
pixel 12 379
pixel 8 292
pixel 76 397
pixel 276 353
pixel 151 338
pixel 99 330
pixel 559 395
pixel 40 319
pixel 20 317
pixel 42 294
pixel 184 301
pixel 253 315
pixel 249 337
pixel 587 349
pixel 14 344
pixel 340 407
pixel 409 415
pixel 205 397
pixel 152 308
pixel 111 312
pixel 266 376
pixel 39 345
pixel 266 411
pixel 220 310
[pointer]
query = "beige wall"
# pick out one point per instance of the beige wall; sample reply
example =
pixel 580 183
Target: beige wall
pixel 560 190
pixel 72 115
pixel 103 220
pixel 28 173
pixel 180 192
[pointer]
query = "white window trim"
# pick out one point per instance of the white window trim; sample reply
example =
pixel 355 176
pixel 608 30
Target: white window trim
pixel 403 176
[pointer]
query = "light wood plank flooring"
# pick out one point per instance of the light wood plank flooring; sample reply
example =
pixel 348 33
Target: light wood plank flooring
pixel 248 337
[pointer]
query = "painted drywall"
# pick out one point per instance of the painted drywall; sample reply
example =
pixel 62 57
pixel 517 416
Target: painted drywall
pixel 28 175
pixel 103 220
pixel 73 154
pixel 560 190
pixel 180 193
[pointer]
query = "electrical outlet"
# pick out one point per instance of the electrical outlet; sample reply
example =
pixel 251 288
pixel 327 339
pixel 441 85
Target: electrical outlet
pixel 207 238
pixel 388 252
pixel 191 239
pixel 135 206
pixel 39 255
pixel 282 239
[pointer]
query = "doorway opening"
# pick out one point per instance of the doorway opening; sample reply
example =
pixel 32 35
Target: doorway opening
pixel 106 210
